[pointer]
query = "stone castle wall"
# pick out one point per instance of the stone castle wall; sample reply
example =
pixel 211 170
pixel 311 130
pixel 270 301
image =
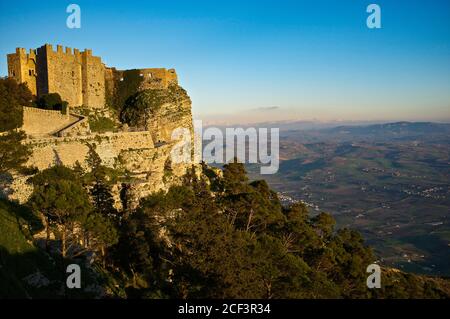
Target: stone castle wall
pixel 64 74
pixel 69 150
pixel 78 77
pixel 79 126
pixel 157 78
pixel 39 122
pixel 22 68
pixel 133 151
pixel 83 80
pixel 93 72
pixel 151 78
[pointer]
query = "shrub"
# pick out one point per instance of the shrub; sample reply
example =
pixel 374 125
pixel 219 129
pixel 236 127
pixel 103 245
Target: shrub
pixel 52 101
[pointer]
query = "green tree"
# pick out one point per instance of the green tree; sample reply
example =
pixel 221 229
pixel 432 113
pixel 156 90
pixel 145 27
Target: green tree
pixel 13 153
pixel 51 101
pixel 100 180
pixel 101 224
pixel 133 253
pixel 13 97
pixel 235 180
pixel 100 233
pixel 63 201
pixel 298 236
pixel 324 223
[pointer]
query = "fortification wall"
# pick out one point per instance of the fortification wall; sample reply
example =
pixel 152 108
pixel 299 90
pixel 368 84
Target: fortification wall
pixel 69 150
pixel 38 122
pixel 22 68
pixel 93 72
pixel 79 126
pixel 152 78
pixel 157 78
pixel 133 151
pixel 64 74
pixel 78 77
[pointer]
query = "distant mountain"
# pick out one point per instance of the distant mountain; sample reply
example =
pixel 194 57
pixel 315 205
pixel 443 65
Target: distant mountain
pixel 292 125
pixel 400 128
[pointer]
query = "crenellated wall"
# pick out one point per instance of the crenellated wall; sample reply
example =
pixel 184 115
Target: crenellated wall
pixel 63 74
pixel 22 68
pixel 78 77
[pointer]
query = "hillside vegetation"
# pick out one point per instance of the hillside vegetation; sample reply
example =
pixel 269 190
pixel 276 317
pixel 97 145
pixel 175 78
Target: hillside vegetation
pixel 213 237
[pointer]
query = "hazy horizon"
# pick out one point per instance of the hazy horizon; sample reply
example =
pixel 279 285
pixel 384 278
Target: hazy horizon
pixel 284 117
pixel 265 61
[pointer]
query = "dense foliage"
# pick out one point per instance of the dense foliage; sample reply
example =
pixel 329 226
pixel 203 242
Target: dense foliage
pixel 141 106
pixel 125 85
pixel 213 236
pixel 13 154
pixel 77 207
pixel 12 97
pixel 51 101
pixel 237 242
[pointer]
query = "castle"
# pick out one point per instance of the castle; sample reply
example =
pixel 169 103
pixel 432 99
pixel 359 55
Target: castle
pixel 78 77
pixel 86 83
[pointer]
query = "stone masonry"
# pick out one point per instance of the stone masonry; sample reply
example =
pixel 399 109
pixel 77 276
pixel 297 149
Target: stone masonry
pixel 83 80
pixel 78 77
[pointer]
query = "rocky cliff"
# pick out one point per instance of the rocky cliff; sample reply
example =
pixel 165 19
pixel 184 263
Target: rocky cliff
pixel 140 148
pixel 159 111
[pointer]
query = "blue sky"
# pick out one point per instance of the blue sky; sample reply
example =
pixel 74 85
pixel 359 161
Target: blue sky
pixel 264 60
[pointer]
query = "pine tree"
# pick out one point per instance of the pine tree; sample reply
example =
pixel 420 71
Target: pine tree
pixel 62 200
pixel 13 153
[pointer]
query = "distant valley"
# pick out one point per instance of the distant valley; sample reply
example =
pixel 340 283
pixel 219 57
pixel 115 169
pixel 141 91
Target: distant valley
pixel 389 181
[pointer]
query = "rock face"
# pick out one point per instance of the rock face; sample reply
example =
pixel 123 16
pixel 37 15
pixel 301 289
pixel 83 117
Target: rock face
pixel 146 105
pixel 160 111
pixel 143 150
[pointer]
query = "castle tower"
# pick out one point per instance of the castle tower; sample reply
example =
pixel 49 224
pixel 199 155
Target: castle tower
pixel 78 77
pixel 93 78
pixel 59 72
pixel 22 68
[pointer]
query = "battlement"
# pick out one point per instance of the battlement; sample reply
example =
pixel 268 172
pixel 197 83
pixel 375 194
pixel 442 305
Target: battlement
pixel 79 77
pixel 28 109
pixel 22 53
pixel 60 50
